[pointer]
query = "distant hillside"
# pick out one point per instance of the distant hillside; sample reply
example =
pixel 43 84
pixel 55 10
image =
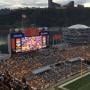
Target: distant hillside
pixel 44 17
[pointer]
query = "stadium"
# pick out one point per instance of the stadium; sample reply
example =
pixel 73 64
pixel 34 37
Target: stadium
pixel 34 66
pixel 77 34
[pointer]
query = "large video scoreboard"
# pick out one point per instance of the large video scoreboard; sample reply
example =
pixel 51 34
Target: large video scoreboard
pixel 31 43
pixel 16 39
pixel 45 38
pixel 22 43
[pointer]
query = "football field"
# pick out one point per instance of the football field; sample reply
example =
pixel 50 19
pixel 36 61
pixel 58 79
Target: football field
pixel 80 84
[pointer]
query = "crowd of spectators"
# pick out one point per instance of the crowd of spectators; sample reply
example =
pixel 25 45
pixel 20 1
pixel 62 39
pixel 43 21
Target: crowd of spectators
pixel 79 51
pixel 7 82
pixel 22 64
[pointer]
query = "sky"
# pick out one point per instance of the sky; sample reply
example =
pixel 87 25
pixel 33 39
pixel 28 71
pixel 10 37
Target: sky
pixel 37 3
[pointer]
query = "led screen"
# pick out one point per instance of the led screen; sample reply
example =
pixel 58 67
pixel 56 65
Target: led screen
pixel 28 43
pixel 18 45
pixel 31 43
pixel 43 41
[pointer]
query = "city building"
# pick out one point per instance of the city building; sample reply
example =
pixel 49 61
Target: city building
pixel 69 5
pixel 52 4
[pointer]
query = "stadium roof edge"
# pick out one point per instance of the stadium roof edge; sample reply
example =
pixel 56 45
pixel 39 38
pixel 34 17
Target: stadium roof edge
pixel 75 59
pixel 78 26
pixel 42 69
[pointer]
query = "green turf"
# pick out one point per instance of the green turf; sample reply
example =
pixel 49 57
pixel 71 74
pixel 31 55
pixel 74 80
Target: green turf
pixel 81 84
pixel 85 87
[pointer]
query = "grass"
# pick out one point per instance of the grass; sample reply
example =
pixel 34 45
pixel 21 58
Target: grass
pixel 80 84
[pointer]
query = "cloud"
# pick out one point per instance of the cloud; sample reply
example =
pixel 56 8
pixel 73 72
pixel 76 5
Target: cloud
pixel 36 3
pixel 87 4
pixel 10 4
